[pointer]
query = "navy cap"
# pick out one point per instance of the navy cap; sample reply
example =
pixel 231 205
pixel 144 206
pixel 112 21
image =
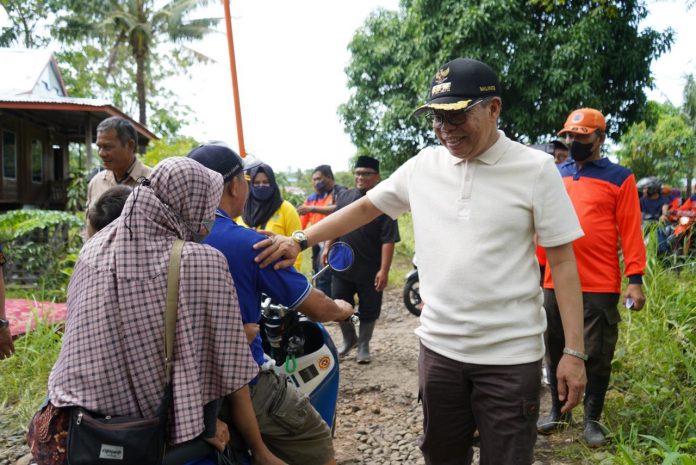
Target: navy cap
pixel 218 156
pixel 459 84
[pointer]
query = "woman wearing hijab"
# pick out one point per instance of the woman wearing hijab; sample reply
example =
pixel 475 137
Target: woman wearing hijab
pixel 111 359
pixel 265 208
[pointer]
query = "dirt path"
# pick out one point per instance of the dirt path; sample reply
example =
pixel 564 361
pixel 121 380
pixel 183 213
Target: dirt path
pixel 379 419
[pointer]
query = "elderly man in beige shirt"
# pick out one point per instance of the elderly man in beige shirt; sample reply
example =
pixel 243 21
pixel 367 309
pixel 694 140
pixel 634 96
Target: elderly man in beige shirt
pixel 116 141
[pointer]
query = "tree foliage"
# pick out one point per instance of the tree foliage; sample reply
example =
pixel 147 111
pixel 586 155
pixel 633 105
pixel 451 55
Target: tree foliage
pixel 119 50
pixel 551 56
pixel 141 41
pixel 663 146
pixel 168 147
pixel 26 20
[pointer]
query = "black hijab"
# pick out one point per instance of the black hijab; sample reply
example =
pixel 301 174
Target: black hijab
pixel 257 212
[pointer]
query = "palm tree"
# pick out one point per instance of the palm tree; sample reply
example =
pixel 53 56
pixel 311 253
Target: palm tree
pixel 134 29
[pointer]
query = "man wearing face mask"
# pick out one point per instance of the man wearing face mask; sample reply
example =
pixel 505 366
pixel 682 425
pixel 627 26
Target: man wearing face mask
pixel 604 196
pixel 315 208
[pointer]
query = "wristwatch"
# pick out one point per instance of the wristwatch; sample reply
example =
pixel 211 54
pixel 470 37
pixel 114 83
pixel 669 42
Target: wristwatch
pixel 301 238
pixel 575 353
pixel 4 324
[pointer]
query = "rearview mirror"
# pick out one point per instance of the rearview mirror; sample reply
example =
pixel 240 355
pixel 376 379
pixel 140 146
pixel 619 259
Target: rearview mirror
pixel 340 256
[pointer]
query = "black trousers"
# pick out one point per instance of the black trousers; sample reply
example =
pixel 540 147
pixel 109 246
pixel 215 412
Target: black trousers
pixel 369 300
pixel 502 401
pixel 601 332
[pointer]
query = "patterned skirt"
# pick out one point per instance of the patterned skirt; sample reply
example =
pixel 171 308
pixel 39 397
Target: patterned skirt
pixel 48 435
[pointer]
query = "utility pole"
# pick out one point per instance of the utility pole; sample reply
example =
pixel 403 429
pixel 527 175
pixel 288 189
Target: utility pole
pixel 235 87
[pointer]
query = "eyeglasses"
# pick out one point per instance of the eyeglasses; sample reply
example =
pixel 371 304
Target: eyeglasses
pixel 364 174
pixel 453 118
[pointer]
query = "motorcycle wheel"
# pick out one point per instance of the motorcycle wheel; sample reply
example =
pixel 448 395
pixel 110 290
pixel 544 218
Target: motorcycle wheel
pixel 412 298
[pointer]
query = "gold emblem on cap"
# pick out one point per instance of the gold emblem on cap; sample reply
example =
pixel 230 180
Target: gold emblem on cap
pixel 441 75
pixel 486 88
pixel 440 88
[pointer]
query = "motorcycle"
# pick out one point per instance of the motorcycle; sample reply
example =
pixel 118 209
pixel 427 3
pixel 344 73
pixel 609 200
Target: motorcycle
pixel 411 293
pixel 681 237
pixel 300 349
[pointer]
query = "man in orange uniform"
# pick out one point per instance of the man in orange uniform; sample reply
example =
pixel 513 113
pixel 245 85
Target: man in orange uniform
pixel 315 208
pixel 604 196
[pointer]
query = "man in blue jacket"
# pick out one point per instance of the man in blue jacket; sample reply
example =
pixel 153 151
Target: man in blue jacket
pixel 291 428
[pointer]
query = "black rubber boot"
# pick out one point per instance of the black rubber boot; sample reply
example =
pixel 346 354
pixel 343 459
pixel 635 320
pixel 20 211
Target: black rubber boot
pixel 350 339
pixel 593 433
pixel 366 329
pixel 555 420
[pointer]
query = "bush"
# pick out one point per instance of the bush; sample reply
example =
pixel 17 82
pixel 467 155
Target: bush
pixel 41 248
pixel 168 147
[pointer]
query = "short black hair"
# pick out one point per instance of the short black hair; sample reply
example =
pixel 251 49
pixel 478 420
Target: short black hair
pixel 108 207
pixel 325 170
pixel 124 129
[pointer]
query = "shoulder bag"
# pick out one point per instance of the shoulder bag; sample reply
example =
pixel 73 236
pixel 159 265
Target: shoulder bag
pixel 97 439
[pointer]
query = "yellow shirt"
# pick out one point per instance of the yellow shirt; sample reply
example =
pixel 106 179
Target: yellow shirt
pixel 284 221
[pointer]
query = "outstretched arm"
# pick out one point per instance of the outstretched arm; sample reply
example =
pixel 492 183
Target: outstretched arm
pixel 343 221
pixel 319 307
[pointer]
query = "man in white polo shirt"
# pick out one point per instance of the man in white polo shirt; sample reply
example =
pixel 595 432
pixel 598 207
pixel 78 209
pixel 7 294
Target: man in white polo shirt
pixel 477 201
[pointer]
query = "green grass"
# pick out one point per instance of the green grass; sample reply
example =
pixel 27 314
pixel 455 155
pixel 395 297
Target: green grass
pixel 651 404
pixel 403 253
pixel 650 407
pixel 25 375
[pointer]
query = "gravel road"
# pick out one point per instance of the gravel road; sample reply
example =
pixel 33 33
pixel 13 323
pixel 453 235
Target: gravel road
pixel 379 419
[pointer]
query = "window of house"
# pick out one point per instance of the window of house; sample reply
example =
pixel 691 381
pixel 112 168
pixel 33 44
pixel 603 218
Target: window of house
pixel 9 155
pixel 36 160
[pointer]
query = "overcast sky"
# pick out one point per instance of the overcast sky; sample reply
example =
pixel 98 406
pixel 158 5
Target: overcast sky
pixel 291 58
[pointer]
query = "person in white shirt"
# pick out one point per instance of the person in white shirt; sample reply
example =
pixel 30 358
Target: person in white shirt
pixel 477 202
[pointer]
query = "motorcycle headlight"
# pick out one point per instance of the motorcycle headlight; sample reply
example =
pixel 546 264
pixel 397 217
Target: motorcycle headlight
pixel 684 220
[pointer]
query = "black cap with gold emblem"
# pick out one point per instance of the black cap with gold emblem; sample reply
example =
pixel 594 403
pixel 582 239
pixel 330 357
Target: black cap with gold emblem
pixel 459 84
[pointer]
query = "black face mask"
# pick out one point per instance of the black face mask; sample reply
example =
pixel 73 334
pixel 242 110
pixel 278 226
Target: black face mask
pixel 580 151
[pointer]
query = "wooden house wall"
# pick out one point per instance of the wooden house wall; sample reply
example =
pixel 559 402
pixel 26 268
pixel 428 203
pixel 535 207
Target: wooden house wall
pixel 49 191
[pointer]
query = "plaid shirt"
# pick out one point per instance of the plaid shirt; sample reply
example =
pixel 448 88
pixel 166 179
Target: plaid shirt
pixel 111 360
